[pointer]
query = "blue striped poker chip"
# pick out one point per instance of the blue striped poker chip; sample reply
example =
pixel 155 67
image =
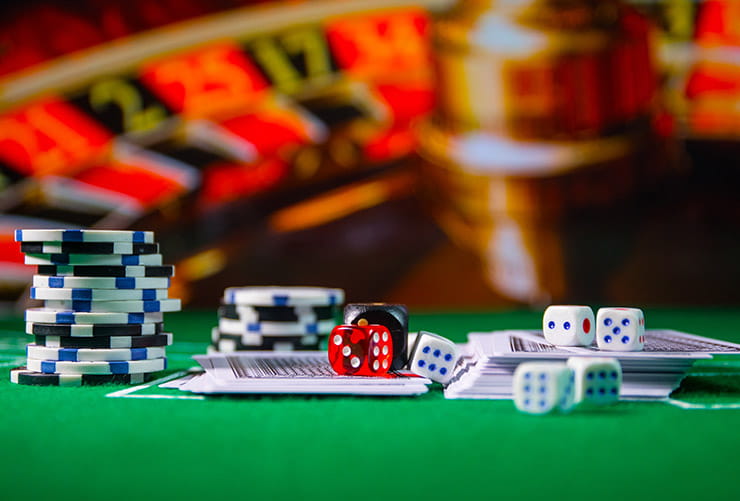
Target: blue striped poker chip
pixel 112 367
pixel 61 235
pixel 53 316
pixel 25 377
pixel 88 294
pixel 88 248
pixel 283 296
pixel 92 330
pixel 224 342
pixel 40 352
pixel 95 259
pixel 277 313
pixel 162 305
pixel 105 342
pixel 101 282
pixel 106 271
pixel 230 326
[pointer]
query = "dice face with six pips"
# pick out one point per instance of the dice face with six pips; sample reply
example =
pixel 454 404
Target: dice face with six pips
pixel 565 325
pixel 598 380
pixel 543 387
pixel 356 350
pixel 395 317
pixel 620 329
pixel 433 356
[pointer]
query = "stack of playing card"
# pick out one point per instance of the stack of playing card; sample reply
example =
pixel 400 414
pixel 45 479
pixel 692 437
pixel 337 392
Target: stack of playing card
pixel 492 357
pixel 306 372
pixel 105 294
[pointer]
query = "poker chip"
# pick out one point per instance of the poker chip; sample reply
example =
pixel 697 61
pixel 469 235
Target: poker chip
pixel 106 271
pixel 98 294
pixel 144 237
pixel 93 330
pixel 228 344
pixel 124 248
pixel 105 342
pixel 283 296
pixel 105 293
pixel 101 282
pixel 301 314
pixel 255 340
pixel 95 259
pixel 275 318
pixel 43 352
pixel 115 306
pixel 54 316
pixel 115 367
pixel 26 377
pixel 275 328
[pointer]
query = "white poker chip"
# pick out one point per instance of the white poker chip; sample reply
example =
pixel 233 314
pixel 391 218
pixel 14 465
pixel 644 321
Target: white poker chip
pixel 101 282
pixel 295 314
pixel 95 259
pixel 58 235
pixel 114 367
pixel 54 316
pixel 93 355
pixel 283 296
pixel 114 306
pixel 105 271
pixel 230 326
pixel 88 294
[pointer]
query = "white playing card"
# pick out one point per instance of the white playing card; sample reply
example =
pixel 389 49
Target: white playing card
pixel 307 372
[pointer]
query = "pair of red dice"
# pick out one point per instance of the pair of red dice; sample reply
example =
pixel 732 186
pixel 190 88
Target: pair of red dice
pixel 360 350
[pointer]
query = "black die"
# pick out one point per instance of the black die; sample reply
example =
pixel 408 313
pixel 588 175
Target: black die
pixel 395 317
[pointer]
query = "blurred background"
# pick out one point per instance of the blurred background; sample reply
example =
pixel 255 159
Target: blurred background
pixel 458 155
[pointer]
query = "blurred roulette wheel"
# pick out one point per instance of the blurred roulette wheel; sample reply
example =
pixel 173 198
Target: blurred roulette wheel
pixel 204 122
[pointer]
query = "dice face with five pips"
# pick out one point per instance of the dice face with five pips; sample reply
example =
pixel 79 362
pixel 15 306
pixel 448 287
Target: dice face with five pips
pixel 543 387
pixel 620 329
pixel 433 356
pixel 356 350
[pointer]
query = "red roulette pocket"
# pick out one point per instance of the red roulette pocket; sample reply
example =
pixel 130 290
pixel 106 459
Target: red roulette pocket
pixel 206 81
pixel 50 136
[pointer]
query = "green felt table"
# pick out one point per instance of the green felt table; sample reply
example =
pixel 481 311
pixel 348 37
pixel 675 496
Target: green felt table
pixel 84 443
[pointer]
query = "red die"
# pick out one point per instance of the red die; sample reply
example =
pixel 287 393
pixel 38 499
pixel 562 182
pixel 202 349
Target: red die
pixel 360 350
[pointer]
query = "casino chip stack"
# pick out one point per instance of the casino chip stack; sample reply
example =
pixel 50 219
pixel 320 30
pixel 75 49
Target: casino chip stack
pixel 104 296
pixel 275 318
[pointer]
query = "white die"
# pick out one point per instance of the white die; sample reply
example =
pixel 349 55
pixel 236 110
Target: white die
pixel 598 380
pixel 542 387
pixel 433 356
pixel 620 329
pixel 569 325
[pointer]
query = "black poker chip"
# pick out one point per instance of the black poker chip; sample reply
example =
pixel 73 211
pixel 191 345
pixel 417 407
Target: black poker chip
pixel 163 339
pixel 227 343
pixel 93 330
pixel 25 377
pixel 106 271
pixel 275 313
pixel 88 248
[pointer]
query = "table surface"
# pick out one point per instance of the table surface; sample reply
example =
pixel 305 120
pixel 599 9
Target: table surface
pixel 95 442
